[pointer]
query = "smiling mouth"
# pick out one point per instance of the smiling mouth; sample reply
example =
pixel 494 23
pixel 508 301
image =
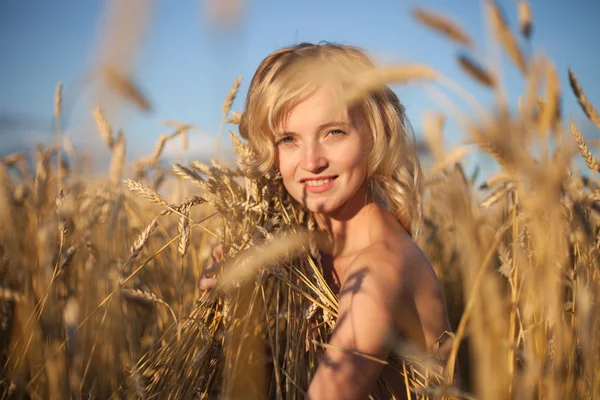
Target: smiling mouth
pixel 318 182
pixel 319 185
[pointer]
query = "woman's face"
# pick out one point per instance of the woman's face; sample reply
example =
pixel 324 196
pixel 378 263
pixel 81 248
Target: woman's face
pixel 322 157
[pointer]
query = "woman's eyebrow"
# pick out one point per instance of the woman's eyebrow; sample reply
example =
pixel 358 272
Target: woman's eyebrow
pixel 333 123
pixel 321 127
pixel 286 133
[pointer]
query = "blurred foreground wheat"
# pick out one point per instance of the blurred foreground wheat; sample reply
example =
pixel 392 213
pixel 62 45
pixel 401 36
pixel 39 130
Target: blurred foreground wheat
pixel 98 295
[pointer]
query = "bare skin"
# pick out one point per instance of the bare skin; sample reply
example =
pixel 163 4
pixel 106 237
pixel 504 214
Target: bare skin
pixel 386 287
pixel 388 291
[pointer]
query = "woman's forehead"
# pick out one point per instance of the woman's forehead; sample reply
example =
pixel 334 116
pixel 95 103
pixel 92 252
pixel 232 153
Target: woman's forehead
pixel 322 106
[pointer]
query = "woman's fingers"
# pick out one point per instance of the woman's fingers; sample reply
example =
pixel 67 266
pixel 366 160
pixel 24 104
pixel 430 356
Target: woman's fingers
pixel 207 283
pixel 217 253
pixel 212 270
pixel 209 279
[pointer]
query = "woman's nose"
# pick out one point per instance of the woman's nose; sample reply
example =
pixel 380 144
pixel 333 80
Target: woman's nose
pixel 314 158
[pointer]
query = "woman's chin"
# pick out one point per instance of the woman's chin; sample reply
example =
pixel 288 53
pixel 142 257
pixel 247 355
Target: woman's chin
pixel 320 207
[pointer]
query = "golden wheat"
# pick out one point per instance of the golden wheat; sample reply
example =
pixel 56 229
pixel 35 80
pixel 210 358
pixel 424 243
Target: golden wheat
pixel 476 71
pixel 99 300
pixel 505 37
pixel 444 25
pixel 125 86
pixel 589 159
pixel 525 18
pixel 103 126
pixel 584 102
pixel 377 77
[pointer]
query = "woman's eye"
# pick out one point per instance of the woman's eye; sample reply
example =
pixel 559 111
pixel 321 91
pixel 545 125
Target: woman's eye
pixel 336 132
pixel 285 140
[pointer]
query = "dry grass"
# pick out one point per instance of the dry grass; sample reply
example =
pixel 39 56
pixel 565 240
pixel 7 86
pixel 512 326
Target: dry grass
pixel 98 295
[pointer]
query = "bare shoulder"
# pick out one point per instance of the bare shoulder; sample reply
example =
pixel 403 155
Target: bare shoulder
pixel 399 270
pixel 398 262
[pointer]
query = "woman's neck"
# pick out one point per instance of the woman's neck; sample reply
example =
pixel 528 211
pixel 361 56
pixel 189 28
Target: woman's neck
pixel 348 225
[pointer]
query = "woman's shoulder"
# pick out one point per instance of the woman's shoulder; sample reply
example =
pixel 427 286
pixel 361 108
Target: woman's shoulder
pixel 395 259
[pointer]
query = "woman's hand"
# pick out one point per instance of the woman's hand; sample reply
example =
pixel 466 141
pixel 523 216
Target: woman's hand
pixel 209 278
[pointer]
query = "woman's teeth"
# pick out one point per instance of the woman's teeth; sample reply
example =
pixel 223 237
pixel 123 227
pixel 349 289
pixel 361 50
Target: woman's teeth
pixel 318 182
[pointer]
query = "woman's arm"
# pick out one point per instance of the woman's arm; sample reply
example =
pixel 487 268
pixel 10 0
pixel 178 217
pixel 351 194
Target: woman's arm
pixel 380 297
pixel 365 325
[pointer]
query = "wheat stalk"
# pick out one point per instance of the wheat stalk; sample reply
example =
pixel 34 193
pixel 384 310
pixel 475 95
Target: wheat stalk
pixel 550 110
pixel 543 320
pixel 476 71
pixel 103 126
pixel 13 158
pixel 503 34
pixel 525 18
pixel 261 257
pixel 498 178
pixel 433 126
pixel 454 157
pixel 143 238
pixel 444 25
pixel 146 297
pixel 158 149
pixel 178 208
pixel 147 192
pixel 534 78
pixel 126 87
pixel 235 118
pixel 587 107
pixel 58 100
pixel 184 232
pixel 589 159
pixel 486 145
pixel 183 130
pixel 117 162
pixel 231 97
pixel 190 174
pixel 497 194
pixel 374 79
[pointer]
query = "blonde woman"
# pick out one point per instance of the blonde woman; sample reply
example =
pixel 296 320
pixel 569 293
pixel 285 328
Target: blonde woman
pixel 356 170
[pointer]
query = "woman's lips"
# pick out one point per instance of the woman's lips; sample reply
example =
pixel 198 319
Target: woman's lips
pixel 319 185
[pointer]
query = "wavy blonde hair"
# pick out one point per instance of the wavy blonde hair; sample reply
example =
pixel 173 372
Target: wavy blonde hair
pixel 289 75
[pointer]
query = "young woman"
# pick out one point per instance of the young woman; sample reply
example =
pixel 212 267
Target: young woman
pixel 356 169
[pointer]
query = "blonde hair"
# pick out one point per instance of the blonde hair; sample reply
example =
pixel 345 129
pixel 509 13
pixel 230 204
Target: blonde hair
pixel 289 75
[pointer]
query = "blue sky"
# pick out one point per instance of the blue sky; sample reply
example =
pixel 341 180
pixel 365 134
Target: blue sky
pixel 185 64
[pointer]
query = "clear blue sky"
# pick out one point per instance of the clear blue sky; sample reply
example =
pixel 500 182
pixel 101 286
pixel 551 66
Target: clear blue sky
pixel 186 65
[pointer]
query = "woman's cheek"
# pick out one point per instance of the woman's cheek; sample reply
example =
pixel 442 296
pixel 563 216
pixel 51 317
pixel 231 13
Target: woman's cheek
pixel 286 168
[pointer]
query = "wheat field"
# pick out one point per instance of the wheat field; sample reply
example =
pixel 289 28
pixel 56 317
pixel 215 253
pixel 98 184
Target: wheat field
pixel 98 287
